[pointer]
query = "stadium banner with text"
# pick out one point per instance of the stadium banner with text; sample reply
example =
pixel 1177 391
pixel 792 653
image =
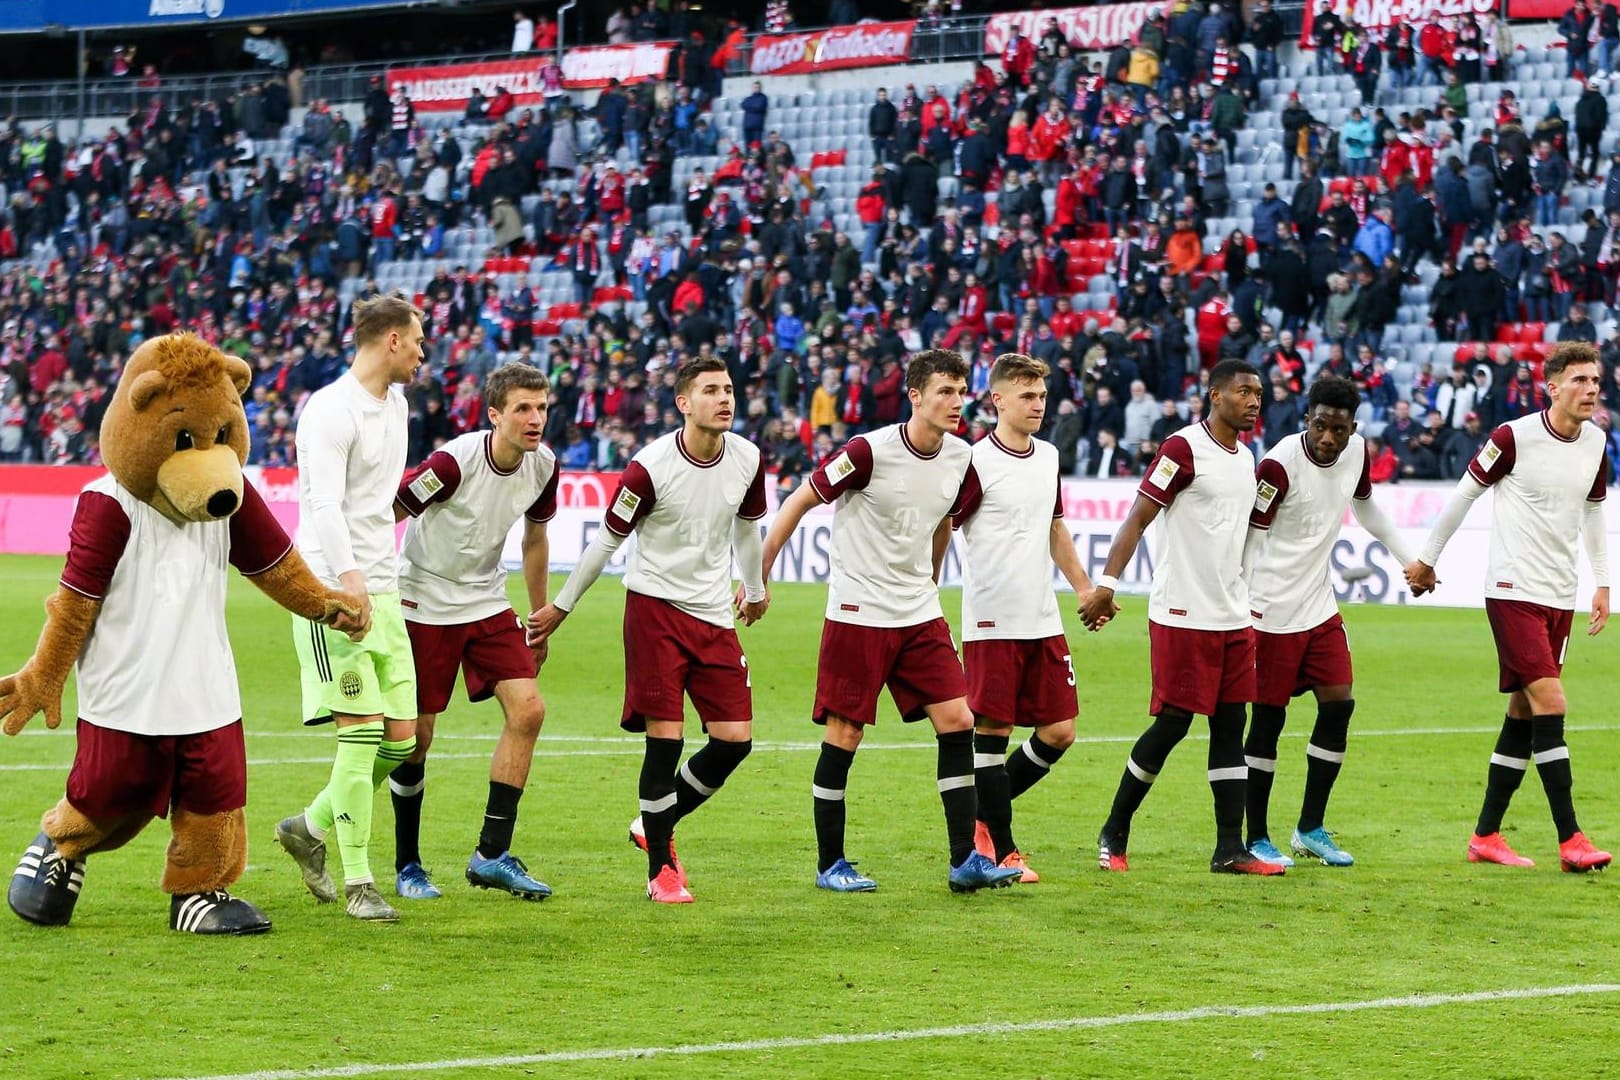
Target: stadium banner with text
pixel 37 501
pixel 1380 15
pixel 446 87
pixel 1099 27
pixel 17 16
pixel 861 45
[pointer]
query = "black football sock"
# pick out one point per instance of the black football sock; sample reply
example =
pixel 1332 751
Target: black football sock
pixel 1551 755
pixel 705 772
pixel 1027 765
pixel 657 791
pixel 500 818
pixel 955 773
pixel 1141 769
pixel 1260 755
pixel 405 791
pixel 1227 776
pixel 1324 756
pixel 831 778
pixel 990 780
pixel 1508 762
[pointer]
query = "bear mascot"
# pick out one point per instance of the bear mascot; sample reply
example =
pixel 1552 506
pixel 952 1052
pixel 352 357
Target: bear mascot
pixel 140 616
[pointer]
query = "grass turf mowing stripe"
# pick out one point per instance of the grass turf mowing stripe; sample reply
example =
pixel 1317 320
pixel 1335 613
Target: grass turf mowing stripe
pixel 1178 1016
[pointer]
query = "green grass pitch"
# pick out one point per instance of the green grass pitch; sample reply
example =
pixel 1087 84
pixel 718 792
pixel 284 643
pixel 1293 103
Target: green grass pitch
pixel 763 956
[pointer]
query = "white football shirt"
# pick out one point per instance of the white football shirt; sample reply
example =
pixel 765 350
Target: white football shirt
pixel 1301 504
pixel 351 455
pixel 1006 523
pixel 888 498
pixel 682 511
pixel 462 507
pixel 1207 491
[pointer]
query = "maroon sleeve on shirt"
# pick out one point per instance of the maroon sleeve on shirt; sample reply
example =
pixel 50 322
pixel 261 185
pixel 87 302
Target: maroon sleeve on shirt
pixel 753 505
pixel 848 470
pixel 1600 483
pixel 1170 473
pixel 95 544
pixel 258 541
pixel 632 500
pixel 968 497
pixel 544 508
pixel 1495 458
pixel 433 481
pixel 1271 487
pixel 1364 485
pixel 1057 507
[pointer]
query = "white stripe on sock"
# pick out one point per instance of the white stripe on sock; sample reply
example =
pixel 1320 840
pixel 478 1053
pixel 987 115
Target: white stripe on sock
pixel 952 783
pixel 1264 764
pixel 1236 772
pixel 406 791
pixel 1139 772
pixel 1037 759
pixel 1510 762
pixel 1557 753
pixel 987 761
pixel 1335 756
pixel 686 774
pixel 827 793
pixel 658 806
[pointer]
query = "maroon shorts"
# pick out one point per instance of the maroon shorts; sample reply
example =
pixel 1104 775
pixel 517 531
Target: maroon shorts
pixel 1530 641
pixel 667 654
pixel 116 773
pixel 1029 683
pixel 487 652
pixel 1290 664
pixel 1196 670
pixel 917 663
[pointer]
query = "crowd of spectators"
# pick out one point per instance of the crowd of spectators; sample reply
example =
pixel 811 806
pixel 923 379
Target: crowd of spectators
pixel 1058 160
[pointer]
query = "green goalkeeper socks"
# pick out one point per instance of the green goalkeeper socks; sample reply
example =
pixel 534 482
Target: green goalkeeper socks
pixel 389 757
pixel 345 803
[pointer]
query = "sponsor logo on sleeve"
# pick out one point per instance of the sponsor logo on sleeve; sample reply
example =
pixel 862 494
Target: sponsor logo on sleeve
pixel 426 486
pixel 1487 456
pixel 840 467
pixel 1264 496
pixel 1163 473
pixel 625 505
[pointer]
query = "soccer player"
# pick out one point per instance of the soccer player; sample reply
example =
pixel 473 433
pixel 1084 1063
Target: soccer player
pixel 894 491
pixel 1200 634
pixel 351 443
pixel 1019 669
pixel 462 502
pixel 1305 484
pixel 1550 476
pixel 692 498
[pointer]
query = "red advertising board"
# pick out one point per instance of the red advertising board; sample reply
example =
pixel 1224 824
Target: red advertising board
pixel 1100 27
pixel 1380 15
pixel 446 88
pixel 862 45
pixel 1550 10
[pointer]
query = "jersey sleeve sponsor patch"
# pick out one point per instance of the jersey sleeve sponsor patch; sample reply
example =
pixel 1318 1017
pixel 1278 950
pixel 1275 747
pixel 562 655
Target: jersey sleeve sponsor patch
pixel 426 486
pixel 1487 456
pixel 1163 473
pixel 625 505
pixel 1264 496
pixel 840 467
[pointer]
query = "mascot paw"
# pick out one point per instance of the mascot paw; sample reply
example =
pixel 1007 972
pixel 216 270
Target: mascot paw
pixel 23 696
pixel 45 886
pixel 216 912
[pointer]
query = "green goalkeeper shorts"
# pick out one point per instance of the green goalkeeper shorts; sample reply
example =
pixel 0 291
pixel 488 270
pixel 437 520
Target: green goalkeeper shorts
pixel 366 678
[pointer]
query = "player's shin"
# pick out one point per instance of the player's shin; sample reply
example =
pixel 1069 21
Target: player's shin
pixel 500 819
pixel 956 791
pixel 1509 761
pixel 1551 755
pixel 1324 757
pixel 1142 768
pixel 405 786
pixel 706 771
pixel 657 791
pixel 1030 763
pixel 1227 776
pixel 1260 755
pixel 831 778
pixel 994 795
pixel 350 793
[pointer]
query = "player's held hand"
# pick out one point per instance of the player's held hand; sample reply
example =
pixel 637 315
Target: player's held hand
pixel 1600 612
pixel 1098 608
pixel 1420 577
pixel 751 613
pixel 542 624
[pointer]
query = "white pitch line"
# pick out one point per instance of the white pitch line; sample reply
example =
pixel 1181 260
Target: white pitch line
pixel 1076 1023
pixel 633 747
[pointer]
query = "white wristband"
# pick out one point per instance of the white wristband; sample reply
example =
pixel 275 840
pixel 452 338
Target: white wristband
pixel 1107 581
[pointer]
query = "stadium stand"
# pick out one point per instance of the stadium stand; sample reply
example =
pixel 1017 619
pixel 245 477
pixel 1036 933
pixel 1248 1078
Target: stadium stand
pixel 1129 235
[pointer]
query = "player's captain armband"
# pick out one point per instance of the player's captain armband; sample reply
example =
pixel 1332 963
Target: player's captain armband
pixel 424 487
pixel 1164 472
pixel 840 467
pixel 1487 456
pixel 625 505
pixel 1264 496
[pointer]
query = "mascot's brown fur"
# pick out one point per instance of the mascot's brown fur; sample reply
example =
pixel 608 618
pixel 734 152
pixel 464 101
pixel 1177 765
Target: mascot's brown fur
pixel 174 438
